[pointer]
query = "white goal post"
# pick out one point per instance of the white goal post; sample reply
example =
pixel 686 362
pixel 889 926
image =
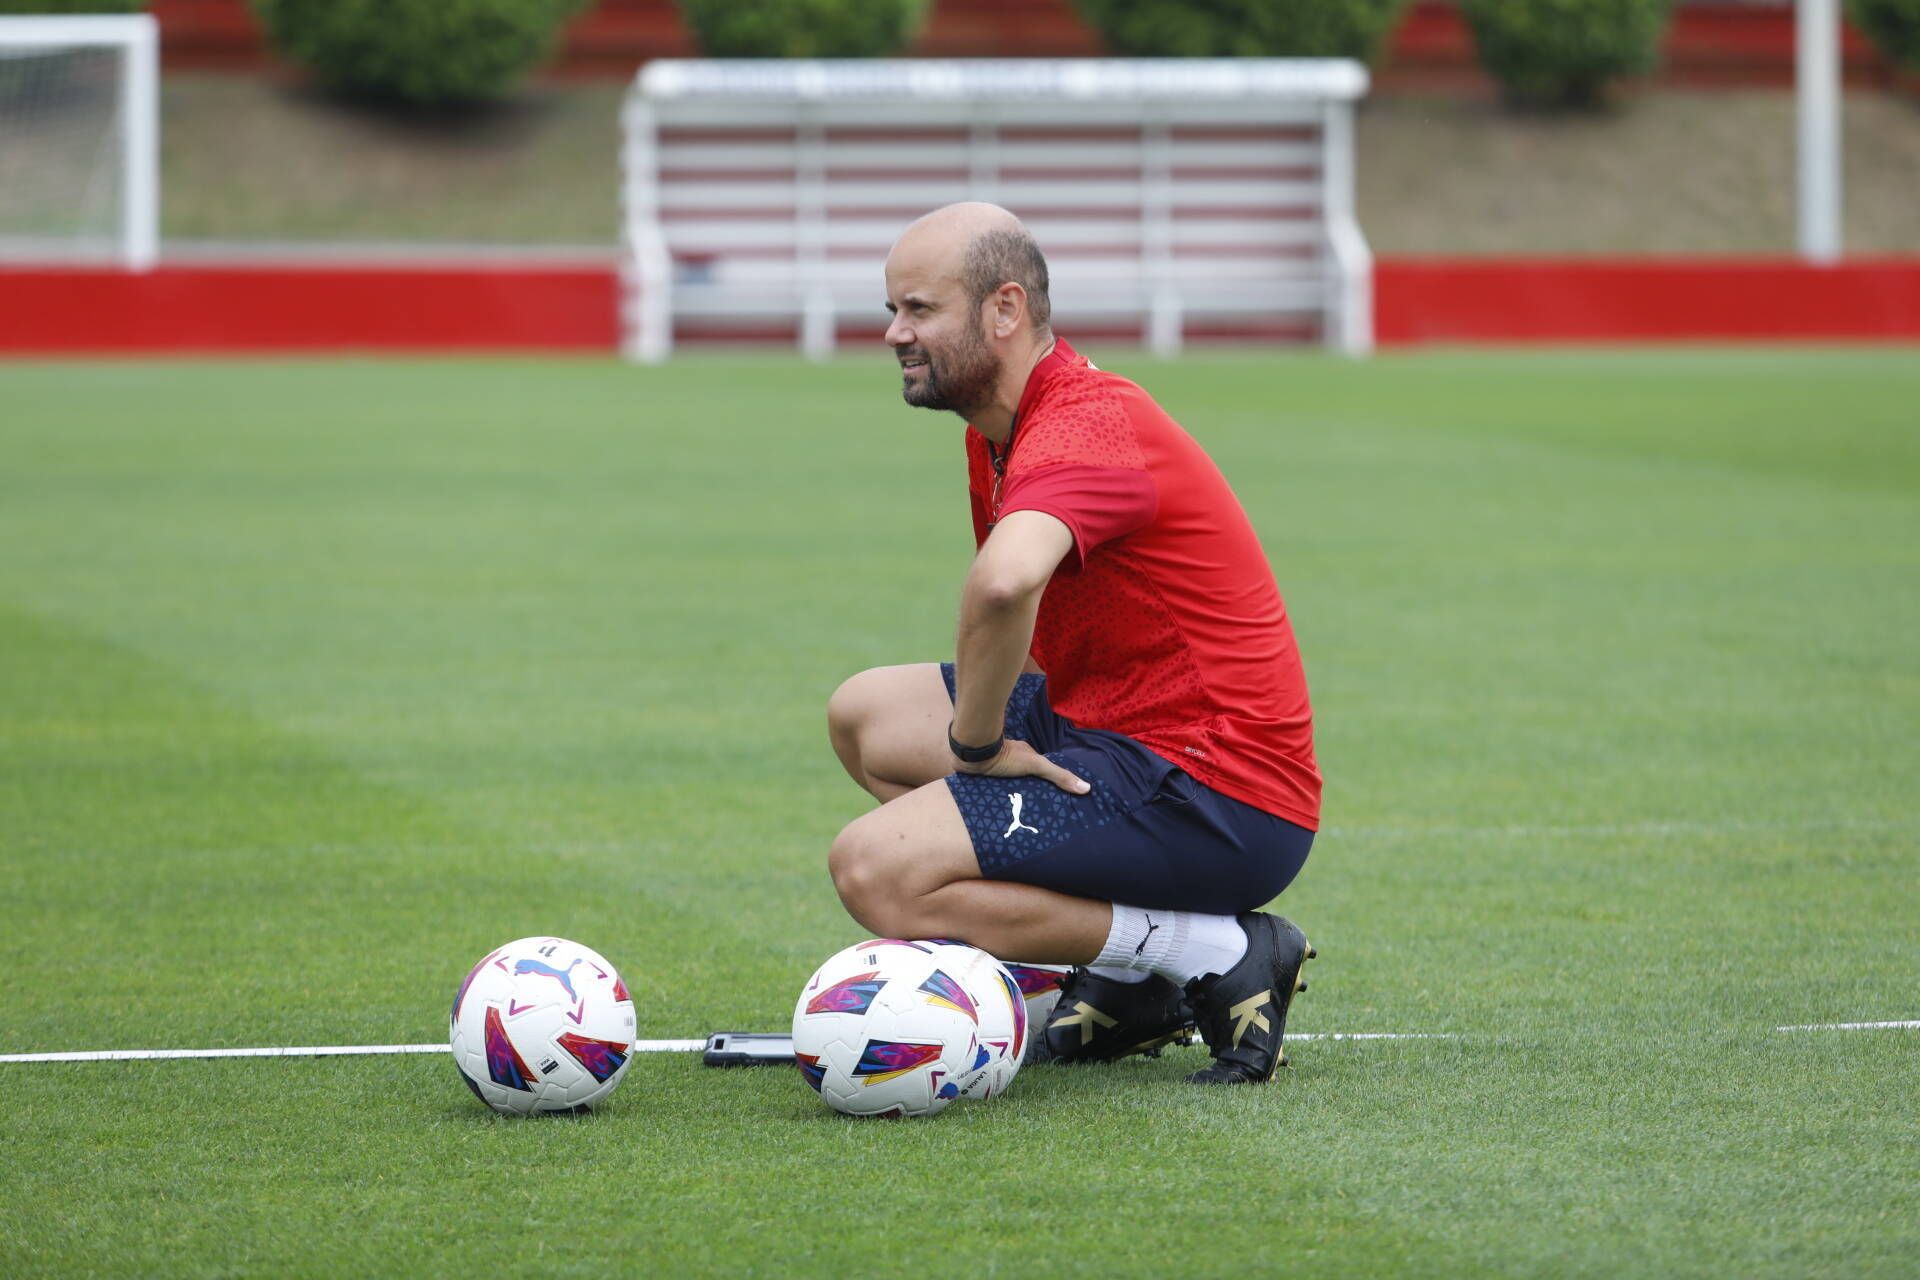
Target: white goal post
pixel 1171 196
pixel 80 139
pixel 1817 110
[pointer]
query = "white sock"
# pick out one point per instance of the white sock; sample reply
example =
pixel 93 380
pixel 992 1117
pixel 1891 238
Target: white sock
pixel 1181 945
pixel 1114 973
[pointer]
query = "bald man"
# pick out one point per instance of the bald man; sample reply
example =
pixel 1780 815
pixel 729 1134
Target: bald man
pixel 1117 767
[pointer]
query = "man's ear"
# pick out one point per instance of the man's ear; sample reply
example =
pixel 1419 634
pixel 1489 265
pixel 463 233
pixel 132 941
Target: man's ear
pixel 1009 305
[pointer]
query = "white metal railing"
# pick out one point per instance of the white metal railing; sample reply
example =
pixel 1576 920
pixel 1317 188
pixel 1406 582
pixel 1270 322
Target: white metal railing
pixel 1166 191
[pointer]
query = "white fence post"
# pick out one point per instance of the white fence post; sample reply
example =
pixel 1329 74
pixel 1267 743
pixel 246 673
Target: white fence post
pixel 647 275
pixel 1349 326
pixel 817 320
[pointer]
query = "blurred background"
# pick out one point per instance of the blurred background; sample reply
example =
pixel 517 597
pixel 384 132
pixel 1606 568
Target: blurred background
pixel 1526 169
pixel 322 675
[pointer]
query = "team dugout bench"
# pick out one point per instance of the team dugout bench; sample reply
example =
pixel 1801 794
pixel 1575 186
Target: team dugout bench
pixel 1172 197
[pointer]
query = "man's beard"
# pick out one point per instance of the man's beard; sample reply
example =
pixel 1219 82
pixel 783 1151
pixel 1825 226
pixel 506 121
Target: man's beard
pixel 961 380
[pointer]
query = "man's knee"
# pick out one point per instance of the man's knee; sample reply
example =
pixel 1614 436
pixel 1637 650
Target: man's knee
pixel 872 879
pixel 859 874
pixel 847 712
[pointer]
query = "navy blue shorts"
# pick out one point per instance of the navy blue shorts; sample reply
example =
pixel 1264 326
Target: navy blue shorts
pixel 1146 835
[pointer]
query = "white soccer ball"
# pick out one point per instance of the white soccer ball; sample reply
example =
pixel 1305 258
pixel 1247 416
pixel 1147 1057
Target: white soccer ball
pixel 542 1024
pixel 882 1030
pixel 1040 984
pixel 1001 1008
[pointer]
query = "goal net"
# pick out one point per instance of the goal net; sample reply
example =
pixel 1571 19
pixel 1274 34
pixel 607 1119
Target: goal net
pixel 79 138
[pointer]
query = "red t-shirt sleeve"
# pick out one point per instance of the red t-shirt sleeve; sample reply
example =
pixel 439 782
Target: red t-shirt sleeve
pixel 1097 504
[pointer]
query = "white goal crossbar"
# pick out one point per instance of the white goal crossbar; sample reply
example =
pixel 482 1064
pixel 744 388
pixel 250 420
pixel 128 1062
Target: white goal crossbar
pixel 1171 194
pixel 135 123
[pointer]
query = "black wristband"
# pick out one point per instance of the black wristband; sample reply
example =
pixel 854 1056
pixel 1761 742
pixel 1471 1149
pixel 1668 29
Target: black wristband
pixel 974 755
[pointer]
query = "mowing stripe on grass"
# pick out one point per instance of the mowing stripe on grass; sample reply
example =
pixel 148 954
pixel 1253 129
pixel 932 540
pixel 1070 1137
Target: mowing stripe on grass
pixel 1912 1025
pixel 639 1046
pixel 1530 831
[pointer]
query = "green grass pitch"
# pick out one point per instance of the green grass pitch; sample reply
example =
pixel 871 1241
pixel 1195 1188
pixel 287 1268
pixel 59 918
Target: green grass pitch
pixel 318 679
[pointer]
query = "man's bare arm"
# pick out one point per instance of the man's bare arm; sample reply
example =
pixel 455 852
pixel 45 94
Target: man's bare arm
pixel 997 611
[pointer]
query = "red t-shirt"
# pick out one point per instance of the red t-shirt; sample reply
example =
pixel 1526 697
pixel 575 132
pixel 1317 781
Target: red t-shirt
pixel 1163 622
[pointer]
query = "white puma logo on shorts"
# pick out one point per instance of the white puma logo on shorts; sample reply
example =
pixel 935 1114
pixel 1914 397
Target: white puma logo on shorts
pixel 1016 824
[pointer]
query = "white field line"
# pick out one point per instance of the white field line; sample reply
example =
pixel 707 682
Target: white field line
pixel 1297 1036
pixel 640 1046
pixel 306 1051
pixel 694 1046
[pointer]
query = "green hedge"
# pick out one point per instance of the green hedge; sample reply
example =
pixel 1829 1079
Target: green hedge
pixel 10 7
pixel 422 51
pixel 1565 52
pixel 1244 28
pixel 802 28
pixel 1892 25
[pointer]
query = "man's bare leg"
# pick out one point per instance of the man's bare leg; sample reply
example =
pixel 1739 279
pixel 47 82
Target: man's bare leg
pixel 907 870
pixel 889 728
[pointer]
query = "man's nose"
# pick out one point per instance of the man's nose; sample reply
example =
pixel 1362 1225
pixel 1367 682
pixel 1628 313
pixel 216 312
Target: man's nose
pixel 898 333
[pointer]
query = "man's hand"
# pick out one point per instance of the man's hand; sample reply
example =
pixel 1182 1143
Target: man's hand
pixel 1018 760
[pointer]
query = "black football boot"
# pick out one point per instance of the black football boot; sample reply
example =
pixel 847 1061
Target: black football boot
pixel 1099 1020
pixel 1243 1013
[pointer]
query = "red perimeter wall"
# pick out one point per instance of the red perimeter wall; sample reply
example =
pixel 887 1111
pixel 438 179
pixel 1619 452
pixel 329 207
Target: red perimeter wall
pixel 252 308
pixel 187 309
pixel 1710 42
pixel 1508 300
